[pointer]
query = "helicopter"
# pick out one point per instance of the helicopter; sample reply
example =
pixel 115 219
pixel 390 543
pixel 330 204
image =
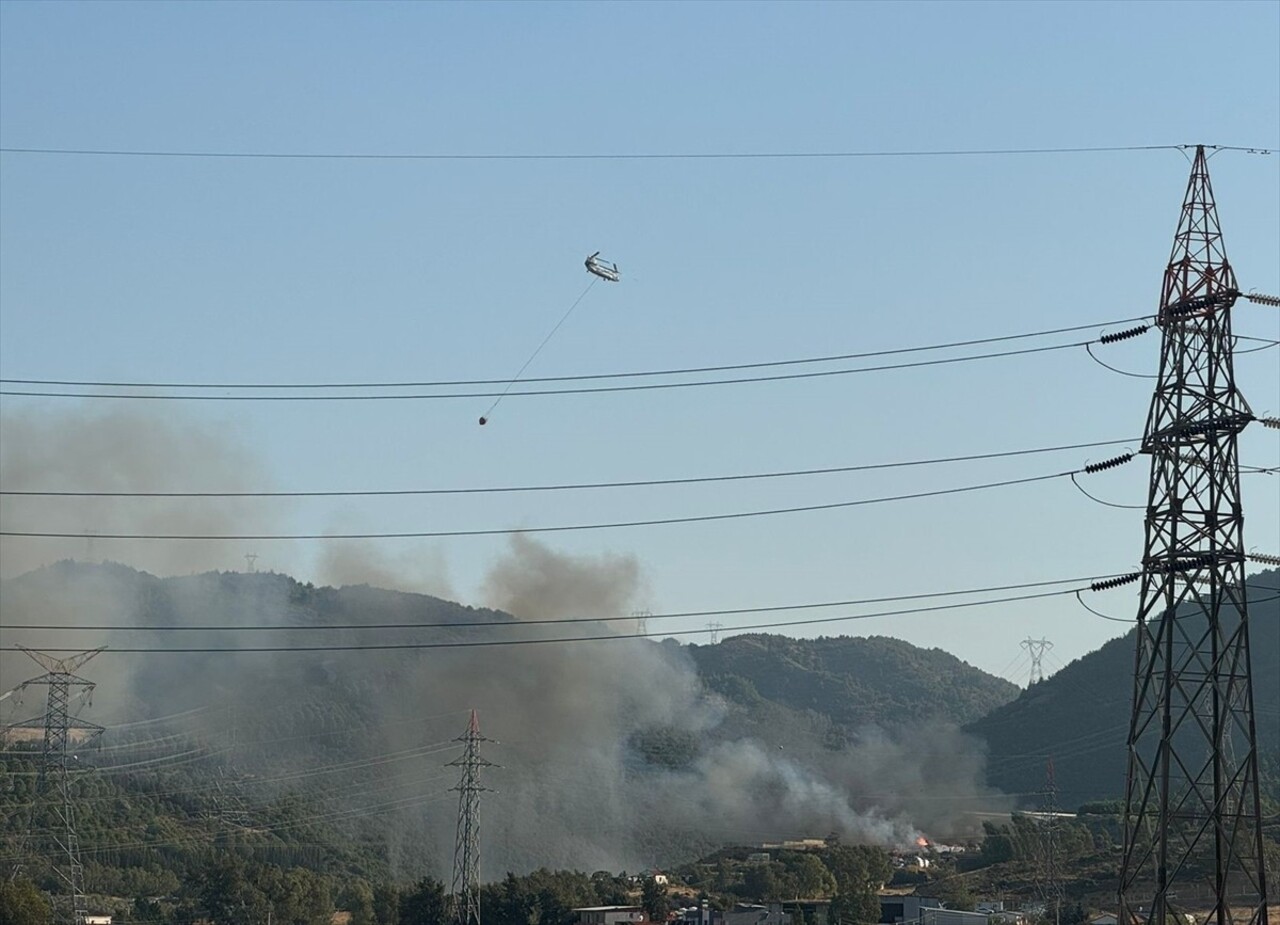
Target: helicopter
pixel 602 268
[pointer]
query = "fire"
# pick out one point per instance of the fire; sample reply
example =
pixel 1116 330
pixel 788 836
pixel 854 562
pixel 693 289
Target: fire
pixel 922 842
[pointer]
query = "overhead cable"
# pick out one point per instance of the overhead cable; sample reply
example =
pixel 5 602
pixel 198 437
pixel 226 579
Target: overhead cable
pixel 561 640
pixel 675 371
pixel 572 486
pixel 559 528
pixel 515 623
pixel 590 390
pixel 616 156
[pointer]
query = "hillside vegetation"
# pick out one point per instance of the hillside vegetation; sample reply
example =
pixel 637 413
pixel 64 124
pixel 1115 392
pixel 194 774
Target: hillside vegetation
pixel 1080 716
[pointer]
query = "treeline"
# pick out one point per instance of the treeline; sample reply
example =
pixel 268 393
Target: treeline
pixel 230 889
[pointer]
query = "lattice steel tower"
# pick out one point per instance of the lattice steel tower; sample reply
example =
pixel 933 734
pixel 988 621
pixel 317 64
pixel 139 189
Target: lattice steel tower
pixel 1036 648
pixel 53 778
pixel 466 848
pixel 1051 891
pixel 1193 838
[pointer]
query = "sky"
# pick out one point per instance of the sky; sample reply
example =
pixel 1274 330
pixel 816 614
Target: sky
pixel 163 269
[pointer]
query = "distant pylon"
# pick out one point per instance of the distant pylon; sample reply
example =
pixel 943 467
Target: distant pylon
pixel 1036 648
pixel 250 561
pixel 642 621
pixel 53 777
pixel 713 632
pixel 1192 823
pixel 465 892
pixel 1052 890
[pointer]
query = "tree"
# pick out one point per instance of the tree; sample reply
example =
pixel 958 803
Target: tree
pixel 859 872
pixel 425 904
pixel 761 882
pixel 22 904
pixel 653 899
pixel 807 877
pixel 997 846
pixel 357 898
pixel 386 904
pixel 227 895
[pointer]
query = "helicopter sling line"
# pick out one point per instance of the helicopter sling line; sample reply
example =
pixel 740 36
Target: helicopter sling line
pixel 484 418
pixel 599 270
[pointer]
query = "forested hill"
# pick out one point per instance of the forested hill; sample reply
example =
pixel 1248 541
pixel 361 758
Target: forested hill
pixel 298 704
pixel 854 681
pixel 1080 715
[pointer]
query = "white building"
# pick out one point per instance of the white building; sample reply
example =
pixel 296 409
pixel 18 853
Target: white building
pixel 610 915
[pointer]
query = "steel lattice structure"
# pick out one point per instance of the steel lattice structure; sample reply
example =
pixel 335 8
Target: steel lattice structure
pixel 1193 839
pixel 465 890
pixel 1036 648
pixel 53 780
pixel 1051 890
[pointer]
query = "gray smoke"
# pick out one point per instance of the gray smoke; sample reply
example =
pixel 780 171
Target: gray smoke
pixel 423 569
pixel 123 450
pixel 575 788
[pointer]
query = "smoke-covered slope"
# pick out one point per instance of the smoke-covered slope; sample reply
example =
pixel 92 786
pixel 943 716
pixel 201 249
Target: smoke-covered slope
pixel 613 754
pixel 1080 715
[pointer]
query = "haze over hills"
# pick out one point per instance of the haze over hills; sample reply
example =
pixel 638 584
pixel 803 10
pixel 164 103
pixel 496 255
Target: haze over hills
pixel 1080 715
pixel 616 754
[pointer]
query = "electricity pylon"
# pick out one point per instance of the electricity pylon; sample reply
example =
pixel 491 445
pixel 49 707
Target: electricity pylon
pixel 53 777
pixel 1036 648
pixel 1193 835
pixel 465 890
pixel 1052 889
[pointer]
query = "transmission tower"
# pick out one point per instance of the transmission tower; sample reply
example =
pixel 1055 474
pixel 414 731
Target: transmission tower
pixel 1052 889
pixel 53 777
pixel 713 632
pixel 1193 835
pixel 642 621
pixel 1036 648
pixel 466 848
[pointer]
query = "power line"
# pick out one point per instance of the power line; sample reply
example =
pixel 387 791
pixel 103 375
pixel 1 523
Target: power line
pixel 678 371
pixel 592 390
pixel 560 528
pixel 489 643
pixel 471 624
pixel 573 486
pixel 622 156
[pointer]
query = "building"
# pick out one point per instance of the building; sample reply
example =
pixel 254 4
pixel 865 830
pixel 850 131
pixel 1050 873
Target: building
pixel 611 915
pixel 741 914
pixel 750 914
pixel 897 909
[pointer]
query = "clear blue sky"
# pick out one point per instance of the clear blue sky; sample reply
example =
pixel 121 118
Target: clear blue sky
pixel 280 270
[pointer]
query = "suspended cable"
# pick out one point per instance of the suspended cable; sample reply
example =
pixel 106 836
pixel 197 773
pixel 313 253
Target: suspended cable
pixel 490 643
pixel 484 418
pixel 1097 500
pixel 1101 615
pixel 1131 620
pixel 561 528
pixel 676 371
pixel 1093 356
pixel 513 623
pixel 593 390
pixel 632 483
pixel 624 156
